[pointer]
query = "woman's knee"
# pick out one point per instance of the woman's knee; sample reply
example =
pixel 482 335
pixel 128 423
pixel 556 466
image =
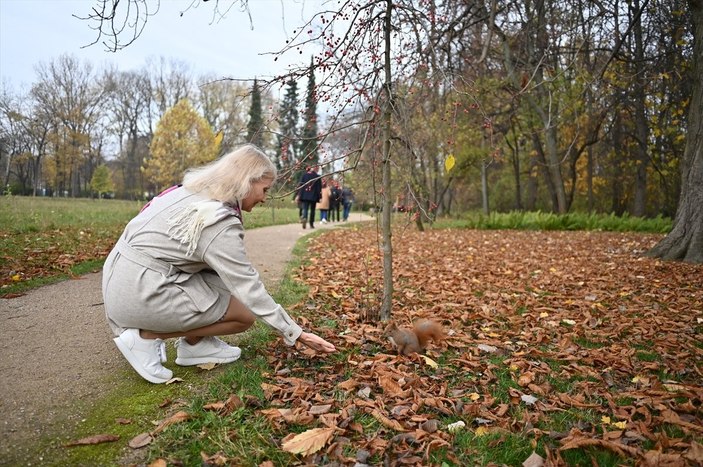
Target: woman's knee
pixel 238 312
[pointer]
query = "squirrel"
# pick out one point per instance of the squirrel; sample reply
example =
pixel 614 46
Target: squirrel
pixel 408 341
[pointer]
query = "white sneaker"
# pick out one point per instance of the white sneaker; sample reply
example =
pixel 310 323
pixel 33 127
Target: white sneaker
pixel 323 221
pixel 145 355
pixel 208 350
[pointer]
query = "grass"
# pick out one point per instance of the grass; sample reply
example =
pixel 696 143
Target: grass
pixel 46 240
pixel 521 220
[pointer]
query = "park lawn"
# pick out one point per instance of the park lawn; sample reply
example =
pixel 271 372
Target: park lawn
pixel 44 240
pixel 570 346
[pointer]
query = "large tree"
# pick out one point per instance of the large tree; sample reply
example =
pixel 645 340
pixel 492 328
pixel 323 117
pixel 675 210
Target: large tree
pixel 685 241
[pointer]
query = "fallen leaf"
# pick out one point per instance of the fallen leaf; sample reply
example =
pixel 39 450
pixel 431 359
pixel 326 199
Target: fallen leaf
pixel 487 348
pixel 309 441
pixel 535 460
pixel 207 366
pixel 141 440
pixel 178 417
pixel 387 422
pixel 429 361
pixel 529 400
pixel 96 439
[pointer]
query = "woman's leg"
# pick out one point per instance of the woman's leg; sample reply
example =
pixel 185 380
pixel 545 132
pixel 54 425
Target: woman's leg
pixel 237 319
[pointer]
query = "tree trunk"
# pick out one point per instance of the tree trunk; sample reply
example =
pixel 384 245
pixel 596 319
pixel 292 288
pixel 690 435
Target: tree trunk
pixel 387 247
pixel 484 187
pixel 639 207
pixel 685 241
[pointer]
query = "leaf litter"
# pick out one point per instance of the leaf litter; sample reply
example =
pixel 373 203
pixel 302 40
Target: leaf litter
pixel 573 321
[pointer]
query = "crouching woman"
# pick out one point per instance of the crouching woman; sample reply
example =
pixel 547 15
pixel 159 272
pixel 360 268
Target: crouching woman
pixel 179 270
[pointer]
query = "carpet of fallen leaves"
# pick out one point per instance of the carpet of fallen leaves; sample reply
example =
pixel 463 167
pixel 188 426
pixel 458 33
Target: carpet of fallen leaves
pixel 577 322
pixel 34 255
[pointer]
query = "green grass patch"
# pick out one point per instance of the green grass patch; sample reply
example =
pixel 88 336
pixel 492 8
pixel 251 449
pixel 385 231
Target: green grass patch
pixel 521 220
pixel 47 240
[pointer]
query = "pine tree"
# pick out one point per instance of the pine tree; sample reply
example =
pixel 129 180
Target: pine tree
pixel 309 142
pixel 288 146
pixel 255 127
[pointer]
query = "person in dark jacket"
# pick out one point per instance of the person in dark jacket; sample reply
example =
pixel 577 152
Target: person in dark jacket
pixel 309 193
pixel 335 201
pixel 347 201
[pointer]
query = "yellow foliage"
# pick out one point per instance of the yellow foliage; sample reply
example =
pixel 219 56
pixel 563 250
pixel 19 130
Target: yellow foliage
pixel 182 139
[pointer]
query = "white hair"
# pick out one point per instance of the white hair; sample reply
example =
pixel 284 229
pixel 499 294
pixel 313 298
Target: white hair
pixel 229 178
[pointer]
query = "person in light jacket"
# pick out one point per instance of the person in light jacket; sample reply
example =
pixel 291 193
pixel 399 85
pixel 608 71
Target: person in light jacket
pixel 180 270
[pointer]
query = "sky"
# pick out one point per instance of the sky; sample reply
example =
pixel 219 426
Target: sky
pixel 39 31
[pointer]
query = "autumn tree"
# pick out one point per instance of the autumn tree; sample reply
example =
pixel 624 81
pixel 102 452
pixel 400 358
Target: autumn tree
pixel 101 181
pixel 223 105
pixel 182 139
pixel 70 94
pixel 129 103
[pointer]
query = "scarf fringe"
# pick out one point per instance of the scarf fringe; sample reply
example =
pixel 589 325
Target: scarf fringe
pixel 187 224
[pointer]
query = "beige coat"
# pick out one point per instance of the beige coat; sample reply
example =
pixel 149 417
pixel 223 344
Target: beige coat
pixel 325 201
pixel 152 280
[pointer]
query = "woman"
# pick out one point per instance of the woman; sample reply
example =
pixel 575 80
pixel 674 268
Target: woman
pixel 180 270
pixel 324 204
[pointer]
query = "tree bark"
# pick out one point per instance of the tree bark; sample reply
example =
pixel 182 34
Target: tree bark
pixel 685 241
pixel 387 246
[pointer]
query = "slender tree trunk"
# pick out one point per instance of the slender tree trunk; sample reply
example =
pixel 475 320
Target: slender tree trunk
pixel 685 241
pixel 639 207
pixel 387 246
pixel 484 187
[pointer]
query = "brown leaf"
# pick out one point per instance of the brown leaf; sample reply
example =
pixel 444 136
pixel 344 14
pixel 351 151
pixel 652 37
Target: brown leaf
pixel 308 442
pixel 387 422
pixel 96 439
pixel 178 417
pixel 535 460
pixel 141 440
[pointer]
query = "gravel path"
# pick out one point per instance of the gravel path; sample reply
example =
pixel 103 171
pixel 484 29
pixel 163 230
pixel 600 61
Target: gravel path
pixel 57 354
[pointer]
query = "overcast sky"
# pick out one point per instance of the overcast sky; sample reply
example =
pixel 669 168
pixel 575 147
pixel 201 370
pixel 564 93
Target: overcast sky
pixel 34 31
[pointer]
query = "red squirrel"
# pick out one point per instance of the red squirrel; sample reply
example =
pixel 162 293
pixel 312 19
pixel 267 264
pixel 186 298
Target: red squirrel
pixel 408 341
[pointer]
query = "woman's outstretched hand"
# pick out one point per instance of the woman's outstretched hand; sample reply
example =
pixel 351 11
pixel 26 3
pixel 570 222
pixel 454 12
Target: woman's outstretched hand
pixel 316 342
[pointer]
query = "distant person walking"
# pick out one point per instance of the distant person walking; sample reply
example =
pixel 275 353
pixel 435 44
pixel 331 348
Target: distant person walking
pixel 335 201
pixel 324 205
pixel 347 202
pixel 180 270
pixel 309 193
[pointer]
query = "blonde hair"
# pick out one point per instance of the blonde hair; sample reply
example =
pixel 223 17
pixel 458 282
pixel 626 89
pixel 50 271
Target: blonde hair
pixel 229 178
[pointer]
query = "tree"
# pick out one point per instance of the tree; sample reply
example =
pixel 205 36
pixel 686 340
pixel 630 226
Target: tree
pixel 129 101
pixel 309 144
pixel 68 91
pixel 685 241
pixel 101 181
pixel 255 127
pixel 182 139
pixel 223 104
pixel 287 157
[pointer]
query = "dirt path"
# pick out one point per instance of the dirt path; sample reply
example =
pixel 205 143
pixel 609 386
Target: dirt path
pixel 56 351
